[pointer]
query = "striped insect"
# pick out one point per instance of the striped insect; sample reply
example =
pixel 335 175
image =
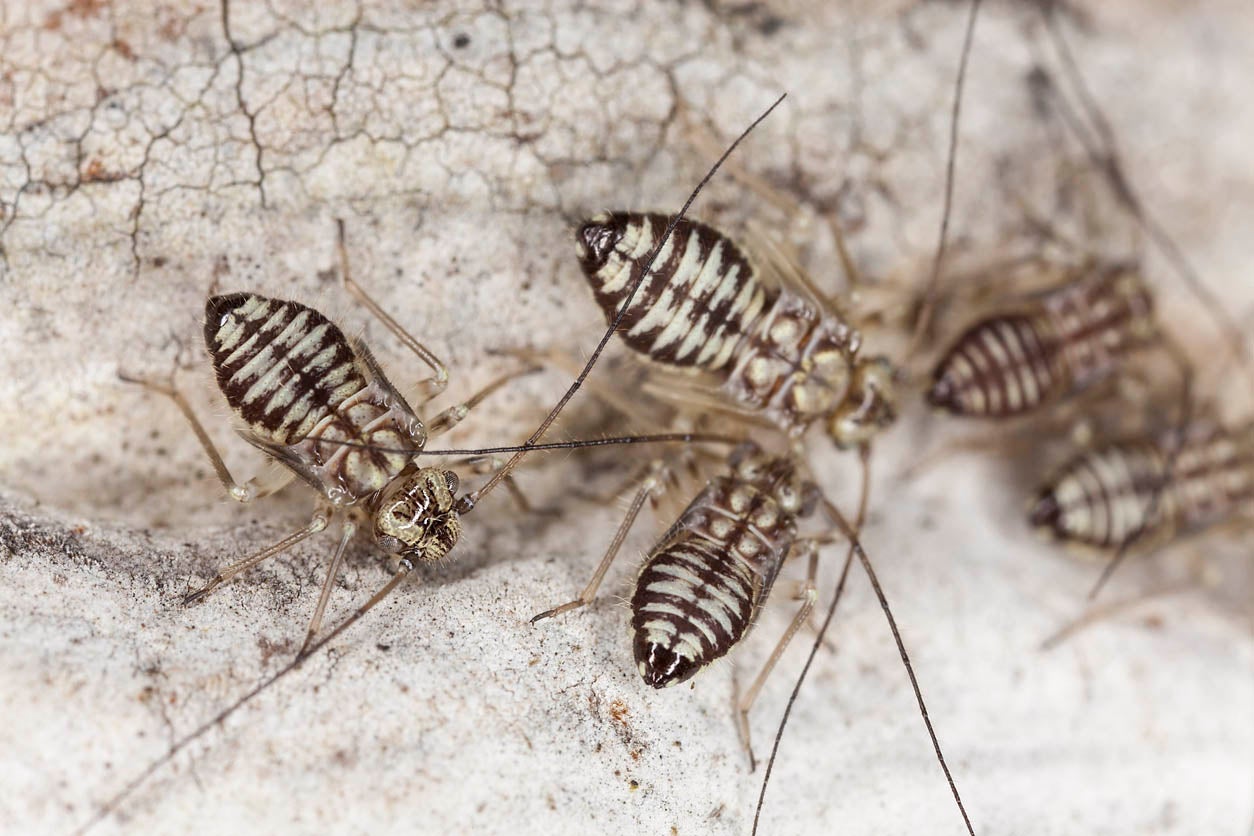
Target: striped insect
pixel 702 585
pixel 751 335
pixel 768 342
pixel 1150 490
pixel 1057 343
pixel 317 402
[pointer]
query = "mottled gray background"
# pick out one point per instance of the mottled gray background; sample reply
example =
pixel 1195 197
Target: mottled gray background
pixel 150 154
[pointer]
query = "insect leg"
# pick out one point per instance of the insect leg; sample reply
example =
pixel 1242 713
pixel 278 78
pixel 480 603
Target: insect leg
pixel 427 388
pixel 808 594
pixel 321 517
pixel 453 416
pixel 651 487
pixel 240 493
pixel 350 528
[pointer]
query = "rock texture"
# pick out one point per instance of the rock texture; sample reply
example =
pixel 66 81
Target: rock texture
pixel 150 154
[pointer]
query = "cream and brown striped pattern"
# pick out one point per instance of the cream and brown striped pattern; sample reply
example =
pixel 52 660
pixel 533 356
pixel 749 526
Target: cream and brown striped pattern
pixel 700 588
pixel 302 389
pixel 705 306
pixel 1065 340
pixel 1104 496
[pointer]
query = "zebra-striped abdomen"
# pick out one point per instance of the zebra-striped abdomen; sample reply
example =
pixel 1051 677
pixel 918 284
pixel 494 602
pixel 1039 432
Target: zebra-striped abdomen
pixel 1001 366
pixel 700 298
pixel 690 607
pixel 697 593
pixel 1074 335
pixel 1103 497
pixel 301 388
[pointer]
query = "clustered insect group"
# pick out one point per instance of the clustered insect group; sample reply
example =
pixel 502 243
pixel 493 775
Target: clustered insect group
pixel 744 334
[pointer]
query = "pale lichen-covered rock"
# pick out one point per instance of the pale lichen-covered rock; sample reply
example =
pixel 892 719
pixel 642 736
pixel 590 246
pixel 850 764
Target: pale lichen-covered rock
pixel 151 154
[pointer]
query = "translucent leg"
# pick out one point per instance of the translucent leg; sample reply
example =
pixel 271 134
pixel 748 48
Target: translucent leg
pixel 651 487
pixel 241 493
pixel 453 416
pixel 646 412
pixel 1095 614
pixel 428 388
pixel 350 528
pixel 808 595
pixel 321 518
pixel 404 569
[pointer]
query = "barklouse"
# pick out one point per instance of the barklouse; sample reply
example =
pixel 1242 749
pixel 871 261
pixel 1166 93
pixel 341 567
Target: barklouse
pixel 316 401
pixel 1054 344
pixel 771 345
pixel 1151 489
pixel 701 587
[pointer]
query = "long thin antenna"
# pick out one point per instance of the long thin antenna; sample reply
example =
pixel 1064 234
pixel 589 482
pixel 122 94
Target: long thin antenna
pixel 836 516
pixel 924 321
pixel 863 498
pixel 1107 159
pixel 187 739
pixel 475 496
pixel 572 444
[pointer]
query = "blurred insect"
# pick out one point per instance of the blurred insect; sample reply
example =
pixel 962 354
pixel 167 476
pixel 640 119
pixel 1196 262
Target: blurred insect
pixel 768 344
pixel 1124 493
pixel 1026 357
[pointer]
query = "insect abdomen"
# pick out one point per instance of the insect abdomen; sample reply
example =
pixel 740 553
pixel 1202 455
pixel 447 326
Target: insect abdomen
pixel 1002 366
pixel 282 366
pixel 1011 364
pixel 699 590
pixel 1103 497
pixel 700 298
pixel 302 389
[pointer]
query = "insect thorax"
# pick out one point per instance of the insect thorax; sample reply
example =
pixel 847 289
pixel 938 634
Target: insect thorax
pixel 1099 318
pixel 417 518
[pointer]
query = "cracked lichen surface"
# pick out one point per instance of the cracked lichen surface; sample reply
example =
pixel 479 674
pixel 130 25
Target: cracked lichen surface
pixel 151 154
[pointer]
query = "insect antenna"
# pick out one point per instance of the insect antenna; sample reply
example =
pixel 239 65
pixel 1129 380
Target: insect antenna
pixel 924 319
pixel 186 740
pixel 921 327
pixel 855 549
pixel 851 533
pixel 814 648
pixel 573 444
pixel 1104 154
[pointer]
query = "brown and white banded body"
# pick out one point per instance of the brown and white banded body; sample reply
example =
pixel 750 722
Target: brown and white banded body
pixel 702 585
pixel 1105 496
pixel 318 402
pixel 1058 343
pixel 302 389
pixel 707 306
